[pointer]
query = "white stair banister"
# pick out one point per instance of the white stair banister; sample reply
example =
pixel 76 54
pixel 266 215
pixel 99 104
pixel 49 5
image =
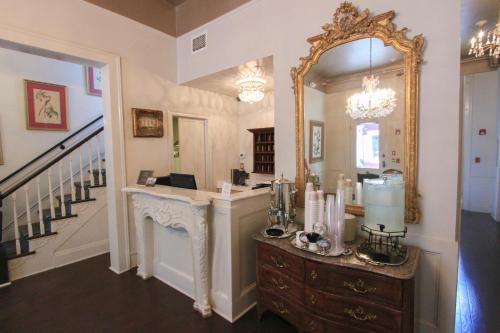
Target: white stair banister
pixel 82 188
pixel 91 169
pixel 99 165
pixel 40 207
pixel 61 191
pixel 16 224
pixel 71 180
pixel 51 195
pixel 28 211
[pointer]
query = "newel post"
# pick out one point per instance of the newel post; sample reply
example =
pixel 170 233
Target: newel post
pixel 4 267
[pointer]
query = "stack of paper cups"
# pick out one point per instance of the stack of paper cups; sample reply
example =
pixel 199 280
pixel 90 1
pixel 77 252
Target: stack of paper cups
pixel 359 194
pixel 321 207
pixel 309 189
pixel 348 192
pixel 330 216
pixel 313 211
pixel 339 223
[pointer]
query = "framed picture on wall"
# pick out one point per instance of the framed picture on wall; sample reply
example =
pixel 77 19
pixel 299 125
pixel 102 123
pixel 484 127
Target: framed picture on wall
pixel 147 123
pixel 94 80
pixel 46 106
pixel 316 141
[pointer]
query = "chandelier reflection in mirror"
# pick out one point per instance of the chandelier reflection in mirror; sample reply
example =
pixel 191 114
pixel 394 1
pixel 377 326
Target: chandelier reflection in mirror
pixel 486 43
pixel 251 86
pixel 372 102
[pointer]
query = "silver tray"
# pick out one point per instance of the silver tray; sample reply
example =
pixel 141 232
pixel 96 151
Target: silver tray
pixel 330 252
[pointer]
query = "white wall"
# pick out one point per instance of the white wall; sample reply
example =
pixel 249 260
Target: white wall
pixel 16 66
pixel 480 111
pixel 280 28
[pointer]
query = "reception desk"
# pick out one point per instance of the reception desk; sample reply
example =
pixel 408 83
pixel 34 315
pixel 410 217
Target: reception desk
pixel 200 243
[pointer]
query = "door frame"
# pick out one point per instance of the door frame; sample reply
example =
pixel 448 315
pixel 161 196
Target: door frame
pixel 208 144
pixel 114 140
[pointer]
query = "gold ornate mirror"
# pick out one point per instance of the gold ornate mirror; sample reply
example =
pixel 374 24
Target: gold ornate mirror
pixel 356 104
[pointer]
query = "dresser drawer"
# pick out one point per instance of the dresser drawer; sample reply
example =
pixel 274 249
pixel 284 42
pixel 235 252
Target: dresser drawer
pixel 280 284
pixel 280 306
pixel 353 312
pixel 283 262
pixel 350 282
pixel 315 324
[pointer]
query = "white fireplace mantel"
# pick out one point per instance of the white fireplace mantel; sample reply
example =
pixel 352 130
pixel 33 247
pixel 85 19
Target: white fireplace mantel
pixel 176 211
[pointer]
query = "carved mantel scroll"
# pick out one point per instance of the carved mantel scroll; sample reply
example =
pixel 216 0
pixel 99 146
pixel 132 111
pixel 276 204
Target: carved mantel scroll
pixel 176 214
pixel 348 25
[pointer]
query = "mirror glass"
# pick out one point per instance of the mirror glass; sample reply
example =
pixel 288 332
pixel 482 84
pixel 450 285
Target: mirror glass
pixel 354 123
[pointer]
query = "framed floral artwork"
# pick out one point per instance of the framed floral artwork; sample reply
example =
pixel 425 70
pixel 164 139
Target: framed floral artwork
pixel 147 123
pixel 46 106
pixel 94 80
pixel 316 141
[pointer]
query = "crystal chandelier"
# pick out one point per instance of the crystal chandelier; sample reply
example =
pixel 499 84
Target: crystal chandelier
pixel 372 102
pixel 251 86
pixel 486 43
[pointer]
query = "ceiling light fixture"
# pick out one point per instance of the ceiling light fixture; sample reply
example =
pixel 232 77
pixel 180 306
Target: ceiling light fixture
pixel 486 43
pixel 372 102
pixel 251 86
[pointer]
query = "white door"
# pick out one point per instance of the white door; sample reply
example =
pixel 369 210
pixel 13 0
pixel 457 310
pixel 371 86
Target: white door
pixel 479 142
pixel 192 149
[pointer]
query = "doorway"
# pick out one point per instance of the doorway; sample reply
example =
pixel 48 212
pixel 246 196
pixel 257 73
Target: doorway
pixel 190 147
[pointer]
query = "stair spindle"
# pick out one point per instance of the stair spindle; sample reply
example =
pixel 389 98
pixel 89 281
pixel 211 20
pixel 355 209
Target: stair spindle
pixel 91 170
pixel 28 211
pixel 61 191
pixel 40 207
pixel 51 195
pixel 71 180
pixel 99 166
pixel 82 187
pixel 16 225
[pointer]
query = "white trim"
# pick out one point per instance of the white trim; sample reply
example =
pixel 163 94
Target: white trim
pixel 5 285
pixel 113 120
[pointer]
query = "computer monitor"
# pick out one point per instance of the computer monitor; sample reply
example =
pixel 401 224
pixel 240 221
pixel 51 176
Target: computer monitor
pixel 183 181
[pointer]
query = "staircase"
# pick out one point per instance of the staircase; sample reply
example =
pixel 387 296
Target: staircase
pixel 49 200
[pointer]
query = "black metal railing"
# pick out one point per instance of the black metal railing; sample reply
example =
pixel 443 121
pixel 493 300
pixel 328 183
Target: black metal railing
pixel 59 145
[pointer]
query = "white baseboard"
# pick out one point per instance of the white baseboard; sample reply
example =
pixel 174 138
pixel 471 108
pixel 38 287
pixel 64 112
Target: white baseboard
pixel 72 255
pixel 4 285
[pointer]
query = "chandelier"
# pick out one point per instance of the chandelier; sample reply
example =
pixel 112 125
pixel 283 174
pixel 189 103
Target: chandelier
pixel 372 102
pixel 251 86
pixel 486 43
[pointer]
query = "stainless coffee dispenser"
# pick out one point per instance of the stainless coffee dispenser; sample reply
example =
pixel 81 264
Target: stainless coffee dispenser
pixel 281 210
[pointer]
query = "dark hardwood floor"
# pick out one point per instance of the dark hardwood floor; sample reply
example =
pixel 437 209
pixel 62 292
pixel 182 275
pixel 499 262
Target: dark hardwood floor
pixel 88 297
pixel 478 290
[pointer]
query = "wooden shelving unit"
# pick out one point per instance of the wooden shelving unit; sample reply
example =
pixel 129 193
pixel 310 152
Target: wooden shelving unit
pixel 263 150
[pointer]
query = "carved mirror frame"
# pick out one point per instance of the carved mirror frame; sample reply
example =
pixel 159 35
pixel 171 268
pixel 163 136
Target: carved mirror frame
pixel 349 25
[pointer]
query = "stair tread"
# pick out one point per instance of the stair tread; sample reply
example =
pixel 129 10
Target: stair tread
pixel 10 249
pixel 68 198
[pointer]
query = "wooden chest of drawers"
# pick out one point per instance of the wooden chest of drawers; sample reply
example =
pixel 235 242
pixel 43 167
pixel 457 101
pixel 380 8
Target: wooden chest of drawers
pixel 327 295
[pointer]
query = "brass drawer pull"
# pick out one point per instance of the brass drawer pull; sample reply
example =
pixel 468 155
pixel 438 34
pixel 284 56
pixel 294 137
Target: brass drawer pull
pixel 280 307
pixel 279 262
pixel 360 314
pixel 312 299
pixel 312 325
pixel 280 284
pixel 314 275
pixel 359 287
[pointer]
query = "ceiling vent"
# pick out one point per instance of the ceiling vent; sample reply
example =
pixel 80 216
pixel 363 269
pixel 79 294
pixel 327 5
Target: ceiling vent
pixel 199 43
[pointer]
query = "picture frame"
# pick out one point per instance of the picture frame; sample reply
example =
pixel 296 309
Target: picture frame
pixel 93 78
pixel 46 106
pixel 316 141
pixel 147 123
pixel 144 175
